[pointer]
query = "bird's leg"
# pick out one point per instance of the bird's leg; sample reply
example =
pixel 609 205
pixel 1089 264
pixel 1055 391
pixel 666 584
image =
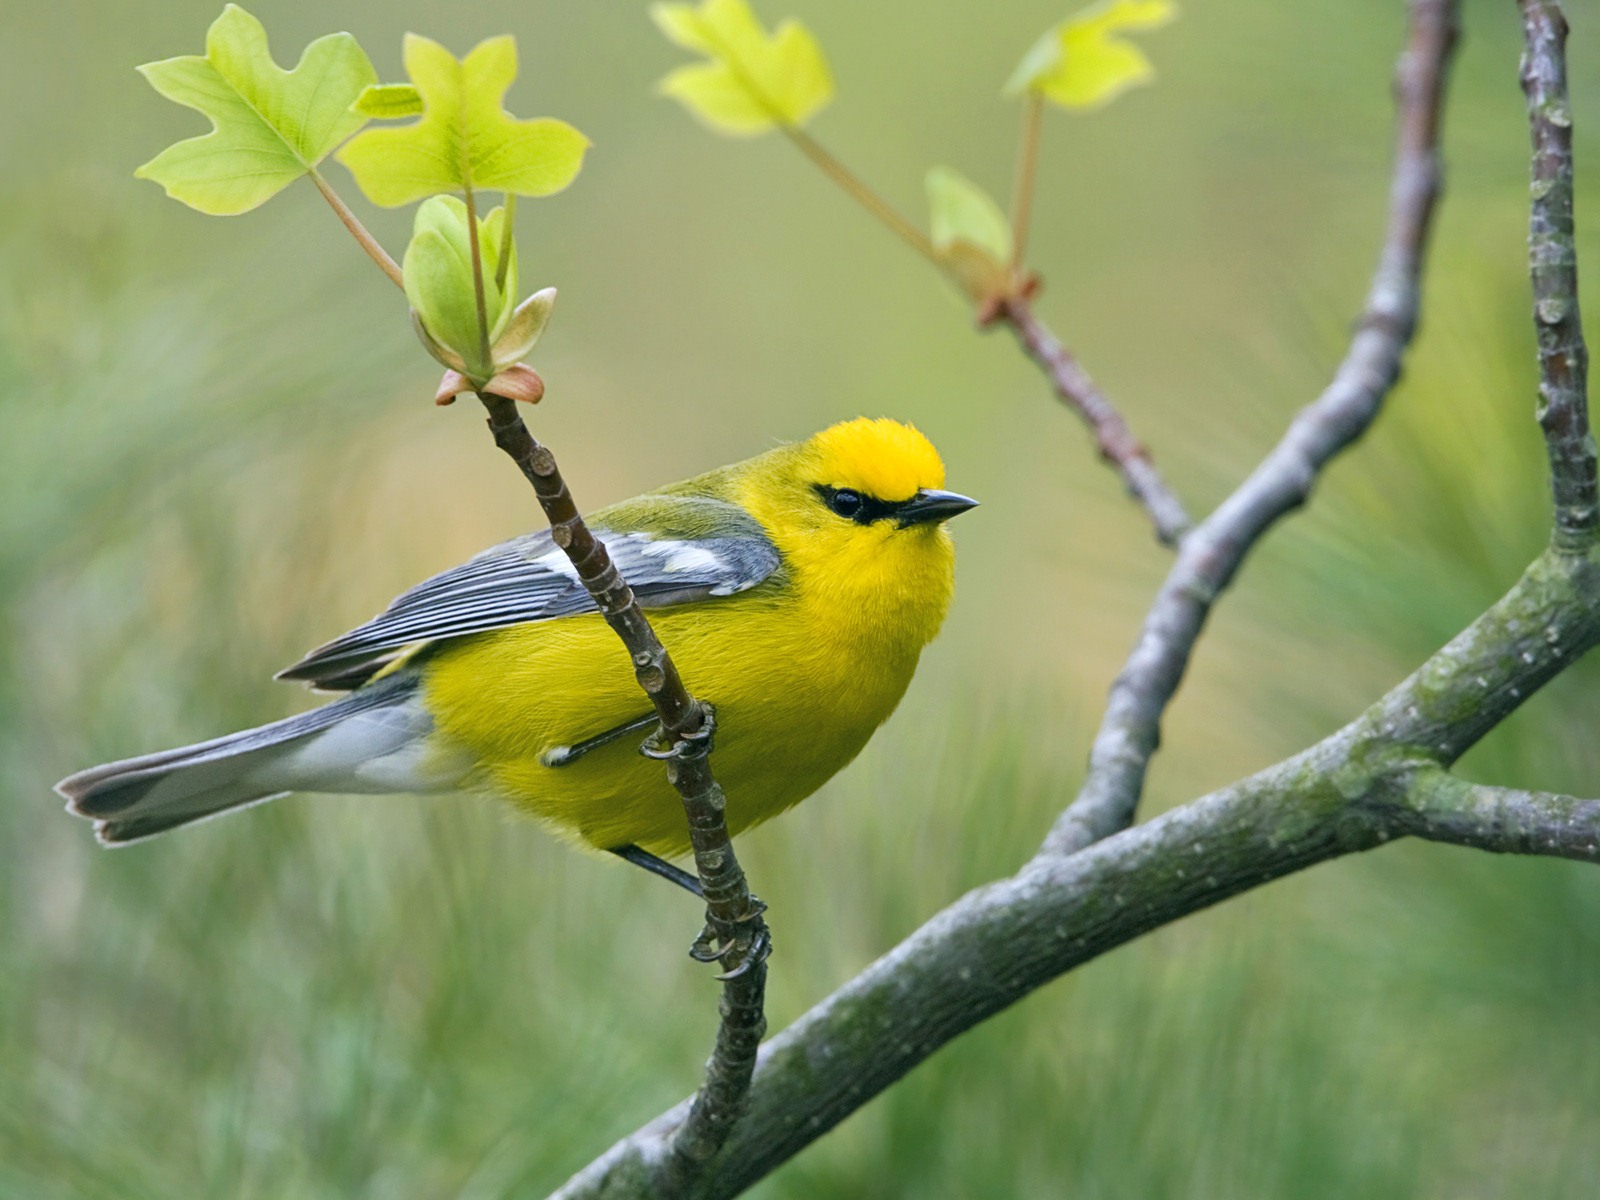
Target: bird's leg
pixel 739 942
pixel 659 866
pixel 562 756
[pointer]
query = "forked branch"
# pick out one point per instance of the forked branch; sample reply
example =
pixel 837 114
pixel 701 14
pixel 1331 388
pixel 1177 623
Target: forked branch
pixel 1211 555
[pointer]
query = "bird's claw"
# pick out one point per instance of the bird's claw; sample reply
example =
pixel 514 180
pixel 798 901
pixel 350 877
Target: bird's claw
pixel 740 945
pixel 662 746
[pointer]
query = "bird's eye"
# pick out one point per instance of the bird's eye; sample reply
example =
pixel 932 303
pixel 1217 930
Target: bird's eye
pixel 846 503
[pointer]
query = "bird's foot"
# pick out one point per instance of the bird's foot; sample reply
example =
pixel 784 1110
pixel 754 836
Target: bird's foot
pixel 661 745
pixel 739 945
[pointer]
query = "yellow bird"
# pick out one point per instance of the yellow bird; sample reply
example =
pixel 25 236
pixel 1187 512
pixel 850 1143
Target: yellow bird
pixel 794 590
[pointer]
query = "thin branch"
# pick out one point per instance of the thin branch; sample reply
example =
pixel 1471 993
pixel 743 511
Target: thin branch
pixel 735 932
pixel 359 231
pixel 1113 438
pixel 1504 820
pixel 1211 555
pixel 1379 778
pixel 1553 263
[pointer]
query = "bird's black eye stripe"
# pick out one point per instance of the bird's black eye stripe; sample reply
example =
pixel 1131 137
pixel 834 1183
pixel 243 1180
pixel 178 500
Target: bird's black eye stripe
pixel 858 506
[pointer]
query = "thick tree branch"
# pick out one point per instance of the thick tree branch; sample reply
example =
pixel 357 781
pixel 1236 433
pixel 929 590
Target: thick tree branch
pixel 733 916
pixel 1209 556
pixel 1113 438
pixel 1553 263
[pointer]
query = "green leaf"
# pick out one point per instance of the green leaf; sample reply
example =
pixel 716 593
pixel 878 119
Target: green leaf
pixel 524 328
pixel 389 101
pixel 439 281
pixel 1082 63
pixel 270 126
pixel 754 81
pixel 963 211
pixel 465 138
pixel 971 235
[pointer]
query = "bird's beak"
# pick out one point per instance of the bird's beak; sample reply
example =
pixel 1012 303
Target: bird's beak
pixel 931 504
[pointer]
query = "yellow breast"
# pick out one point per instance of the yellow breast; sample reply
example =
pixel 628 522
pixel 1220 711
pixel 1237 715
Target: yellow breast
pixel 801 671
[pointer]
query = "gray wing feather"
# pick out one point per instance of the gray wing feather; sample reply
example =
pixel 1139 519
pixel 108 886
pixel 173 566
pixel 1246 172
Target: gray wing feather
pixel 529 579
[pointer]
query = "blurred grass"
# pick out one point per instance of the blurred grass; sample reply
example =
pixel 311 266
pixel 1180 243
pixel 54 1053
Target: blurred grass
pixel 216 450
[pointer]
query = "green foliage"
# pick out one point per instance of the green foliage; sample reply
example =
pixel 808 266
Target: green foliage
pixel 271 126
pixel 753 81
pixel 390 101
pixel 971 235
pixel 1083 64
pixel 439 282
pixel 465 138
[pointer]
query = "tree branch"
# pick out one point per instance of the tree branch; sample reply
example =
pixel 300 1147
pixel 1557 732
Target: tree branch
pixel 733 916
pixel 1113 438
pixel 1553 263
pixel 1379 778
pixel 1504 820
pixel 1384 775
pixel 1211 555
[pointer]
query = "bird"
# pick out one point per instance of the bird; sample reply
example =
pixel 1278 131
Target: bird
pixel 794 590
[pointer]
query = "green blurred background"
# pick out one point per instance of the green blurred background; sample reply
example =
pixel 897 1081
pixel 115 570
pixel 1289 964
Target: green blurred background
pixel 217 449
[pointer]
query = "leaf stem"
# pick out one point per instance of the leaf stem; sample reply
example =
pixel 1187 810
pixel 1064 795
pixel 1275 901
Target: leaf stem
pixel 1027 170
pixel 503 267
pixel 359 231
pixel 485 358
pixel 861 193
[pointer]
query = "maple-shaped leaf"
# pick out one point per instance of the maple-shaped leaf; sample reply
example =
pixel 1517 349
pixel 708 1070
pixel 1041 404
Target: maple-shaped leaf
pixel 754 81
pixel 971 236
pixel 1082 63
pixel 465 138
pixel 270 126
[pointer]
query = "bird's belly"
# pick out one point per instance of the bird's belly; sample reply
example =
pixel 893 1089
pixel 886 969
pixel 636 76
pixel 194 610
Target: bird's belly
pixel 794 704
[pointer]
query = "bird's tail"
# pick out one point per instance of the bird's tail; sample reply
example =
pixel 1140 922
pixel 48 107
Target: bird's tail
pixel 369 741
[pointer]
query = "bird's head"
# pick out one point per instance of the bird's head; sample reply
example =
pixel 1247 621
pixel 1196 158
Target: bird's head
pixel 859 509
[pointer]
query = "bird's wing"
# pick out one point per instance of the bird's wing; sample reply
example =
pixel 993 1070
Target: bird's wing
pixel 530 579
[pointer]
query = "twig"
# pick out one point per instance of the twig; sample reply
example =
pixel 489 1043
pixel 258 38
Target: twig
pixel 1504 820
pixel 1553 263
pixel 1211 555
pixel 733 916
pixel 1113 438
